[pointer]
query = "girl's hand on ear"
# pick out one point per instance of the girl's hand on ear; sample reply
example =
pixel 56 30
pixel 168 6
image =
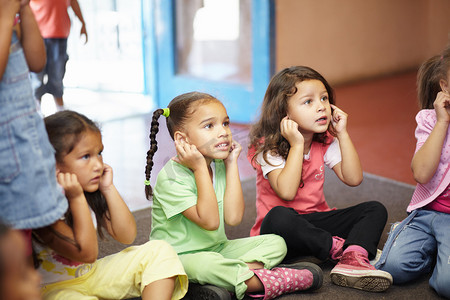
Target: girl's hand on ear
pixel 338 119
pixel 289 130
pixel 106 180
pixel 188 155
pixel 442 107
pixel 235 151
pixel 71 185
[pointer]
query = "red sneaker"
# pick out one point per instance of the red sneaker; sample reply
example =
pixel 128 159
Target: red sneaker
pixel 355 271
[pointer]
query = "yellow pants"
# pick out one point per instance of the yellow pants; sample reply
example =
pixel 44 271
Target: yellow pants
pixel 124 275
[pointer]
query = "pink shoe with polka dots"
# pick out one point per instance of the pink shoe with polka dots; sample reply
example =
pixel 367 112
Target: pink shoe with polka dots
pixel 295 278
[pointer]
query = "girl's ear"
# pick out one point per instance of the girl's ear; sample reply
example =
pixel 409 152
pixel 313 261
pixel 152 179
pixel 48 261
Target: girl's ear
pixel 444 85
pixel 180 137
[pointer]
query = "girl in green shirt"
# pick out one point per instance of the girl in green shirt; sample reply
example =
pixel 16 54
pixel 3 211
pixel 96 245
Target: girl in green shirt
pixel 197 192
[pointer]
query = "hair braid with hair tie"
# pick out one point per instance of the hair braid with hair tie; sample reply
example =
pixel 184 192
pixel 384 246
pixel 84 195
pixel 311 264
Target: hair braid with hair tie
pixel 154 128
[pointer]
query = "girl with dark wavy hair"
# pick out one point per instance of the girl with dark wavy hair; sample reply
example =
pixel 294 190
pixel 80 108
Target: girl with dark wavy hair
pixel 301 130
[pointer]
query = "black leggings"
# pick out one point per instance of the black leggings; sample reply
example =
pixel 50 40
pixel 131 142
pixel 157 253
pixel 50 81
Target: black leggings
pixel 311 234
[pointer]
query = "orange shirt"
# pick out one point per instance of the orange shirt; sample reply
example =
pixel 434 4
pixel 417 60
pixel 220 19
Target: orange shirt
pixel 52 17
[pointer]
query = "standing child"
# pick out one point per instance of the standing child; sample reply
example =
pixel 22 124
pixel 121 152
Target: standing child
pixel 300 130
pixel 68 249
pixel 29 194
pixel 18 280
pixel 54 23
pixel 422 240
pixel 198 191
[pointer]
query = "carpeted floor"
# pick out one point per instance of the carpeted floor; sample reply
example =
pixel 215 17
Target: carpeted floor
pixel 394 195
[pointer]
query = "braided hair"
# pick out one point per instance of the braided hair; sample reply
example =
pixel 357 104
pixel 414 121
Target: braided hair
pixel 181 109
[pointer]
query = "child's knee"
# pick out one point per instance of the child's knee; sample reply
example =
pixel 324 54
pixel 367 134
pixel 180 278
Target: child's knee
pixel 403 271
pixel 279 243
pixel 156 248
pixel 278 220
pixel 378 208
pixel 194 263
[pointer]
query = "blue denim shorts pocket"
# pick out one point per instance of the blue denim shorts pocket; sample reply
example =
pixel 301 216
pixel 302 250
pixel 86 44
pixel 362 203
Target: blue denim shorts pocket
pixel 9 158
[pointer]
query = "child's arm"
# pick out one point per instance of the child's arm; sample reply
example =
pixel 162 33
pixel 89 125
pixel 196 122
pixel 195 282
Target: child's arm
pixel 233 199
pixel 121 224
pixel 349 170
pixel 286 181
pixel 8 10
pixel 83 231
pixel 426 159
pixel 31 39
pixel 206 213
pixel 77 11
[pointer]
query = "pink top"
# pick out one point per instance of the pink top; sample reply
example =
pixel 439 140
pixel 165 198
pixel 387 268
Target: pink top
pixel 426 193
pixel 310 198
pixel 441 203
pixel 52 17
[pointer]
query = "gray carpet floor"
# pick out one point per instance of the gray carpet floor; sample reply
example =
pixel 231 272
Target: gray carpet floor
pixel 394 195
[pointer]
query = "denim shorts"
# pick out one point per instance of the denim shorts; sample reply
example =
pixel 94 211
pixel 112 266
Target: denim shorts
pixel 30 196
pixel 50 80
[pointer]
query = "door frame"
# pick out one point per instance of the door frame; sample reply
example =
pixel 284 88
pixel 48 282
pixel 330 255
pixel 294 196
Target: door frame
pixel 241 100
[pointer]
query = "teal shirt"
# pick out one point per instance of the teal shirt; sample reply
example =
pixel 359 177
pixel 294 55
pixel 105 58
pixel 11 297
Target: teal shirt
pixel 175 191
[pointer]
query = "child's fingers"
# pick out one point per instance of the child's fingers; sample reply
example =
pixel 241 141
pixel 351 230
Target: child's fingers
pixel 337 110
pixel 67 180
pixel 60 178
pixel 186 151
pixel 235 147
pixel 107 170
pixel 338 114
pixel 180 148
pixel 284 121
pixel 442 100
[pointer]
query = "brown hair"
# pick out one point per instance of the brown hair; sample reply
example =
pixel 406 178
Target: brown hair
pixel 65 129
pixel 274 108
pixel 430 73
pixel 181 109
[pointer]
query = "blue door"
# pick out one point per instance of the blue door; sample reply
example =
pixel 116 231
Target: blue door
pixel 221 47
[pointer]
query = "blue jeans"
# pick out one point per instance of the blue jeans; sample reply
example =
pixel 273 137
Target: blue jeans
pixel 415 245
pixel 30 197
pixel 55 69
